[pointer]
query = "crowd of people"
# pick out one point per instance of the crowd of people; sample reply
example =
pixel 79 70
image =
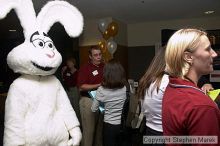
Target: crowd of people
pixel 173 92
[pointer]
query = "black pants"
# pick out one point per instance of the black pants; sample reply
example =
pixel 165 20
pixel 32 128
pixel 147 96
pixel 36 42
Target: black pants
pixel 151 132
pixel 110 134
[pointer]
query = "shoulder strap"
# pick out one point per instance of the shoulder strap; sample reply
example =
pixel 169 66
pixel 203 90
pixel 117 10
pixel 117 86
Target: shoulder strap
pixel 127 92
pixel 125 108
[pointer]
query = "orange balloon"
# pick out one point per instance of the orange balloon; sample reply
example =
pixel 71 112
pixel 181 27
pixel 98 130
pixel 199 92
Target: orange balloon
pixel 112 28
pixel 106 35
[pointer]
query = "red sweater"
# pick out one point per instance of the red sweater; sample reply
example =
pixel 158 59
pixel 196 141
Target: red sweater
pixel 90 74
pixel 187 111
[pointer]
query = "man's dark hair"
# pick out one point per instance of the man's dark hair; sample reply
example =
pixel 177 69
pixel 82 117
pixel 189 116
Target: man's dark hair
pixel 93 48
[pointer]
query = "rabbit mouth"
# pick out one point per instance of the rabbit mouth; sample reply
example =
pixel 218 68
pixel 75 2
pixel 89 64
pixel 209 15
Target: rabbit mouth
pixel 46 68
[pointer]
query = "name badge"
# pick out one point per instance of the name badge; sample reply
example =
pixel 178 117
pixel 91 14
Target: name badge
pixel 95 72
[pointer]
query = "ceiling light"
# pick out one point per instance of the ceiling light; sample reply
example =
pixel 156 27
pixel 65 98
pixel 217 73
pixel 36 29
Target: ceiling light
pixel 209 12
pixel 12 30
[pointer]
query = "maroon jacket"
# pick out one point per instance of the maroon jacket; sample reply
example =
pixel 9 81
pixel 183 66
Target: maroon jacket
pixel 187 111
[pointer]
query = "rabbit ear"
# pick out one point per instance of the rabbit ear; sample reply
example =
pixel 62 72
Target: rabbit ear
pixel 63 12
pixel 24 10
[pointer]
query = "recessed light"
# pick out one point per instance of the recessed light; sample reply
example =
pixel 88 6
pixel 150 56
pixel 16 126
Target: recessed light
pixel 209 12
pixel 12 30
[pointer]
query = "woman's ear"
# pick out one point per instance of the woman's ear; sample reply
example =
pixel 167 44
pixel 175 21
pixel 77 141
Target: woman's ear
pixel 188 57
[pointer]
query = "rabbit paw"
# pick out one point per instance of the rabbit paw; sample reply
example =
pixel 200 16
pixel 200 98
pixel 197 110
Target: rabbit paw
pixel 76 137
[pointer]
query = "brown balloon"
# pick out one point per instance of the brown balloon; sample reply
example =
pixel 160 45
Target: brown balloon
pixel 112 29
pixel 106 35
pixel 102 45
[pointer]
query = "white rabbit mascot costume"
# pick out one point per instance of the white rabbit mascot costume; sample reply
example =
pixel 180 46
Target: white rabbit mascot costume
pixel 37 109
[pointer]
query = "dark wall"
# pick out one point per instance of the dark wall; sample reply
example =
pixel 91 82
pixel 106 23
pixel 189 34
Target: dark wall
pixel 139 58
pixel 165 35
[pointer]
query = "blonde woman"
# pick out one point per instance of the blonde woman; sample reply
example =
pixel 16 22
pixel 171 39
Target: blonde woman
pixel 186 110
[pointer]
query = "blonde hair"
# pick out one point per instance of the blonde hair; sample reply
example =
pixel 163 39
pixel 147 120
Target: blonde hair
pixel 181 41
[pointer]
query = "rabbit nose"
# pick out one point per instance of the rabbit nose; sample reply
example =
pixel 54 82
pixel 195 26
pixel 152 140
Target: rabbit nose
pixel 51 55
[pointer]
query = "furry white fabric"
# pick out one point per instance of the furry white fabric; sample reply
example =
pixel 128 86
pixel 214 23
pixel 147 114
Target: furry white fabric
pixel 73 19
pixel 38 112
pixel 37 109
pixel 24 58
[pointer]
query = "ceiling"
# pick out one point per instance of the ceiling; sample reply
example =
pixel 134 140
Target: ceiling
pixel 129 11
pixel 136 11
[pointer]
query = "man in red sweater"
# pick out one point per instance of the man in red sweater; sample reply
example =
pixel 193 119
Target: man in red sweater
pixel 89 78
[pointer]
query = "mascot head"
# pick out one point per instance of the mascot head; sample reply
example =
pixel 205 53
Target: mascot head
pixel 37 55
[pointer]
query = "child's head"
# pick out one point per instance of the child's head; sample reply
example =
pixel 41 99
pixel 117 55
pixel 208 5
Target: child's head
pixel 113 75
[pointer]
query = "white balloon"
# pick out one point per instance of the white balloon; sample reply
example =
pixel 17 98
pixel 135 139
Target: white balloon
pixel 103 24
pixel 111 46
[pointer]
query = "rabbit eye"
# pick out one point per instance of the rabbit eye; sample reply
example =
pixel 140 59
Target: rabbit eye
pixel 38 43
pixel 49 44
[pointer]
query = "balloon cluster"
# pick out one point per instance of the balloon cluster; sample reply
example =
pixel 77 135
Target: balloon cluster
pixel 108 30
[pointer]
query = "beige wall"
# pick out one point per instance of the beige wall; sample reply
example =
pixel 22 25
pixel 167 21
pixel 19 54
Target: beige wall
pixel 149 33
pixel 91 34
pixel 122 36
pixel 143 34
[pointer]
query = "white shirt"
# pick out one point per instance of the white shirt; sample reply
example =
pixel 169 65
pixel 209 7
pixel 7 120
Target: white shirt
pixel 152 104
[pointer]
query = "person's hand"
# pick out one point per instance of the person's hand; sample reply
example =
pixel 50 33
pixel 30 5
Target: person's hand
pixel 207 87
pixel 76 137
pixel 98 85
